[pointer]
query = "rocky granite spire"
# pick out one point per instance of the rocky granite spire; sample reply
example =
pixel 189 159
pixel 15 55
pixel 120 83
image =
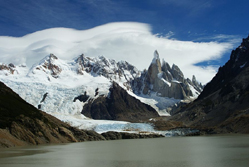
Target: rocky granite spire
pixel 166 69
pixel 177 73
pixel 166 81
pixel 154 69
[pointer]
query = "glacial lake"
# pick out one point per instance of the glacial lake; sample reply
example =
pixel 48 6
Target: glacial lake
pixel 201 151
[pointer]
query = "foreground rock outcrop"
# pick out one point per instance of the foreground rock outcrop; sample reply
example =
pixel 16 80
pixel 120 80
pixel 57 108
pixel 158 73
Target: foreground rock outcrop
pixel 23 124
pixel 223 104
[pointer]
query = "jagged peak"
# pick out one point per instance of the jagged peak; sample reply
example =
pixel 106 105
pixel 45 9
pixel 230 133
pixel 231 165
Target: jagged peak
pixel 49 58
pixel 245 42
pixel 165 66
pixel 122 62
pixel 197 84
pixel 52 56
pixel 176 68
pixel 194 78
pixel 80 58
pixel 236 54
pixel 105 61
pixel 156 58
pixel 102 57
pixel 156 54
pixel 50 64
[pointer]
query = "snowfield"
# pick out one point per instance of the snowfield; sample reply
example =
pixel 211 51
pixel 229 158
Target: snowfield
pixel 59 103
pixel 52 85
pixel 60 92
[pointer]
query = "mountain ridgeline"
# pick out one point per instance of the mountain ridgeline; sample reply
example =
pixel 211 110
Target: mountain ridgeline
pixel 87 85
pixel 223 104
pixel 161 79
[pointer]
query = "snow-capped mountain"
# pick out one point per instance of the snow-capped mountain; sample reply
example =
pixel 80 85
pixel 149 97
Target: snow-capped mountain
pixel 121 72
pixel 58 86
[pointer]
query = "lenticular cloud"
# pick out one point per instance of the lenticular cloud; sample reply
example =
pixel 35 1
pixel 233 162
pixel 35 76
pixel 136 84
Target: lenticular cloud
pixel 129 41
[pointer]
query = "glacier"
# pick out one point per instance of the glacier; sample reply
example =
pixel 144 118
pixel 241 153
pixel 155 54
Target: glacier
pixel 52 84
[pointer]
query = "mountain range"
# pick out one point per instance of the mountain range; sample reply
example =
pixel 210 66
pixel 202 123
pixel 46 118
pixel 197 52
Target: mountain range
pixel 88 86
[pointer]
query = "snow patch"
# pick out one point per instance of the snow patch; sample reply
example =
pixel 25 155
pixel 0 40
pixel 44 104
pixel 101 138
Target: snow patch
pixel 194 92
pixel 243 65
pixel 160 76
pixel 176 81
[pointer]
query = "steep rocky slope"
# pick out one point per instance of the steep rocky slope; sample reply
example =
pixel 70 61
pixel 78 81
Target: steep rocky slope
pixel 118 105
pixel 223 104
pixel 23 124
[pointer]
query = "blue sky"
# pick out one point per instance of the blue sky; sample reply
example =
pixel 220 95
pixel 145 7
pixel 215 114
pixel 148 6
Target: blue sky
pixel 188 19
pixel 184 20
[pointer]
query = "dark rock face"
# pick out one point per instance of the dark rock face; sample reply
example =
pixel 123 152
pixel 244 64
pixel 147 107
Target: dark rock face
pixel 44 97
pixel 223 104
pixel 82 98
pixel 118 106
pixel 177 73
pixel 98 109
pixel 237 63
pixel 23 124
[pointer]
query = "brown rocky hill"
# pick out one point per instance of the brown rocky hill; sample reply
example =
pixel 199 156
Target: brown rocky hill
pixel 118 106
pixel 23 124
pixel 223 104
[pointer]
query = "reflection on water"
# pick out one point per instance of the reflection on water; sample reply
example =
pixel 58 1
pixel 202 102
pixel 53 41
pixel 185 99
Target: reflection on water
pixel 21 152
pixel 204 151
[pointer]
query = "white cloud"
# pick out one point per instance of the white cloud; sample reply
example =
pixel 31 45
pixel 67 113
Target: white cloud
pixel 128 41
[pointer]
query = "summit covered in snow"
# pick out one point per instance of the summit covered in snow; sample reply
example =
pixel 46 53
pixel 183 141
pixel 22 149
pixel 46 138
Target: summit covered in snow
pixel 64 87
